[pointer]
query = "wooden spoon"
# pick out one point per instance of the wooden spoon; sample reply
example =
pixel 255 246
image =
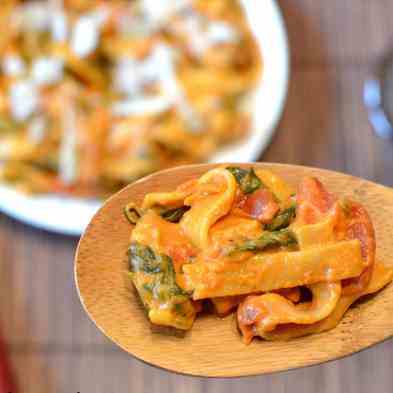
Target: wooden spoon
pixel 213 348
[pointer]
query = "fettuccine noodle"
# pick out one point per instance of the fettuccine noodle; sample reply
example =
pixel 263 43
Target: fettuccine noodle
pixel 96 94
pixel 288 262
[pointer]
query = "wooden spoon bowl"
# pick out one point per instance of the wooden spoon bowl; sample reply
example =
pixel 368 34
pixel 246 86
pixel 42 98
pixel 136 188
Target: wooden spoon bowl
pixel 213 348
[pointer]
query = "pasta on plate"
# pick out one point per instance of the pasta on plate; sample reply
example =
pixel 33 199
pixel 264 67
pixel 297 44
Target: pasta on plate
pixel 95 94
pixel 289 262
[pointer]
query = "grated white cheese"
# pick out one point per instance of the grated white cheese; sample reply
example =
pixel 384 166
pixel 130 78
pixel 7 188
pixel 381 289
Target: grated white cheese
pixel 130 24
pixel 34 15
pixel 126 78
pixel 203 34
pixel 220 32
pixel 13 65
pixel 163 60
pixel 67 153
pixel 47 70
pixel 142 106
pixel 159 11
pixel 59 26
pixel 23 99
pixel 85 37
pixel 156 10
pixel 36 129
pixel 172 88
pixel 86 33
pixel 150 67
pixel 130 75
pixel 193 26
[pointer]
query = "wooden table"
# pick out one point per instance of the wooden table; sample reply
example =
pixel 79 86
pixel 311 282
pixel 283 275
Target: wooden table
pixel 56 349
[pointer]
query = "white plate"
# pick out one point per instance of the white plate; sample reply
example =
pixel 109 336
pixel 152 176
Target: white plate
pixel 70 216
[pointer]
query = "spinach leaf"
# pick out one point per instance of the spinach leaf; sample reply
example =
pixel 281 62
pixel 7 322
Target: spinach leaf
pixel 282 220
pixel 179 309
pixel 169 276
pixel 148 287
pixel 345 208
pixel 7 125
pixel 132 213
pixel 175 215
pixel 247 179
pixel 284 237
pixel 142 259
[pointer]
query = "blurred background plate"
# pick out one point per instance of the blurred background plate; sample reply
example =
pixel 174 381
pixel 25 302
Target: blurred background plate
pixel 70 216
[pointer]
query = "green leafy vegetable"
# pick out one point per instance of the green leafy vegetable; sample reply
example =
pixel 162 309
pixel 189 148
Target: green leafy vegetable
pixel 345 208
pixel 7 125
pixel 247 179
pixel 168 279
pixel 132 213
pixel 282 220
pixel 284 237
pixel 148 287
pixel 174 215
pixel 163 283
pixel 143 259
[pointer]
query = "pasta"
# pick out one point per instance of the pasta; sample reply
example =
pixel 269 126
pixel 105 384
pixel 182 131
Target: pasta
pixel 96 94
pixel 223 277
pixel 381 276
pixel 289 262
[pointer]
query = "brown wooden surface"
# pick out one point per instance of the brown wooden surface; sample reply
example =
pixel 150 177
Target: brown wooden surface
pixel 55 348
pixel 213 348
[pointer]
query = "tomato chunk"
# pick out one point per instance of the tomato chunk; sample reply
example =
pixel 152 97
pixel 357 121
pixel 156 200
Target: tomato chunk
pixel 358 225
pixel 260 205
pixel 313 201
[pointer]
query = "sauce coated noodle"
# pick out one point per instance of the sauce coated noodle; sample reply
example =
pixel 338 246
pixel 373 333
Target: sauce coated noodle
pixel 96 94
pixel 292 274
